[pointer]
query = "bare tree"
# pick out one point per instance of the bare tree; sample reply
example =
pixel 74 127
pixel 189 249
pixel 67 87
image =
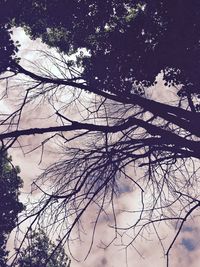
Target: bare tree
pixel 104 138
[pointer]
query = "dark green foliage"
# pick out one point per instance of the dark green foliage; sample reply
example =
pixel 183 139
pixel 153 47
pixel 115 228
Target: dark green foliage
pixel 9 204
pixel 38 251
pixel 8 9
pixel 7 48
pixel 129 42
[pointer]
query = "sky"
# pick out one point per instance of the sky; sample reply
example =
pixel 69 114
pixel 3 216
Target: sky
pixel 145 252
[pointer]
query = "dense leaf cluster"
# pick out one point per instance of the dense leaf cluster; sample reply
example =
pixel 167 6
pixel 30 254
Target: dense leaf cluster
pixel 39 250
pixel 129 42
pixel 10 205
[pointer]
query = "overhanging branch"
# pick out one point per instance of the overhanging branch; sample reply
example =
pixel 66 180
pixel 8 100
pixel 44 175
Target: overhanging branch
pixel 176 115
pixel 170 137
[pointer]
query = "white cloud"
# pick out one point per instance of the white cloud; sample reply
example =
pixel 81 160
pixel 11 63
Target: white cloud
pixel 114 255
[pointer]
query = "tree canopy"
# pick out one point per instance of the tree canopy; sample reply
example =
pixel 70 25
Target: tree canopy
pixel 38 252
pixel 128 41
pixel 110 54
pixel 10 206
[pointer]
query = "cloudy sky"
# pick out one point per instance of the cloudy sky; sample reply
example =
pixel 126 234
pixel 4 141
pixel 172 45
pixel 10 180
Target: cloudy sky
pixel 145 252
